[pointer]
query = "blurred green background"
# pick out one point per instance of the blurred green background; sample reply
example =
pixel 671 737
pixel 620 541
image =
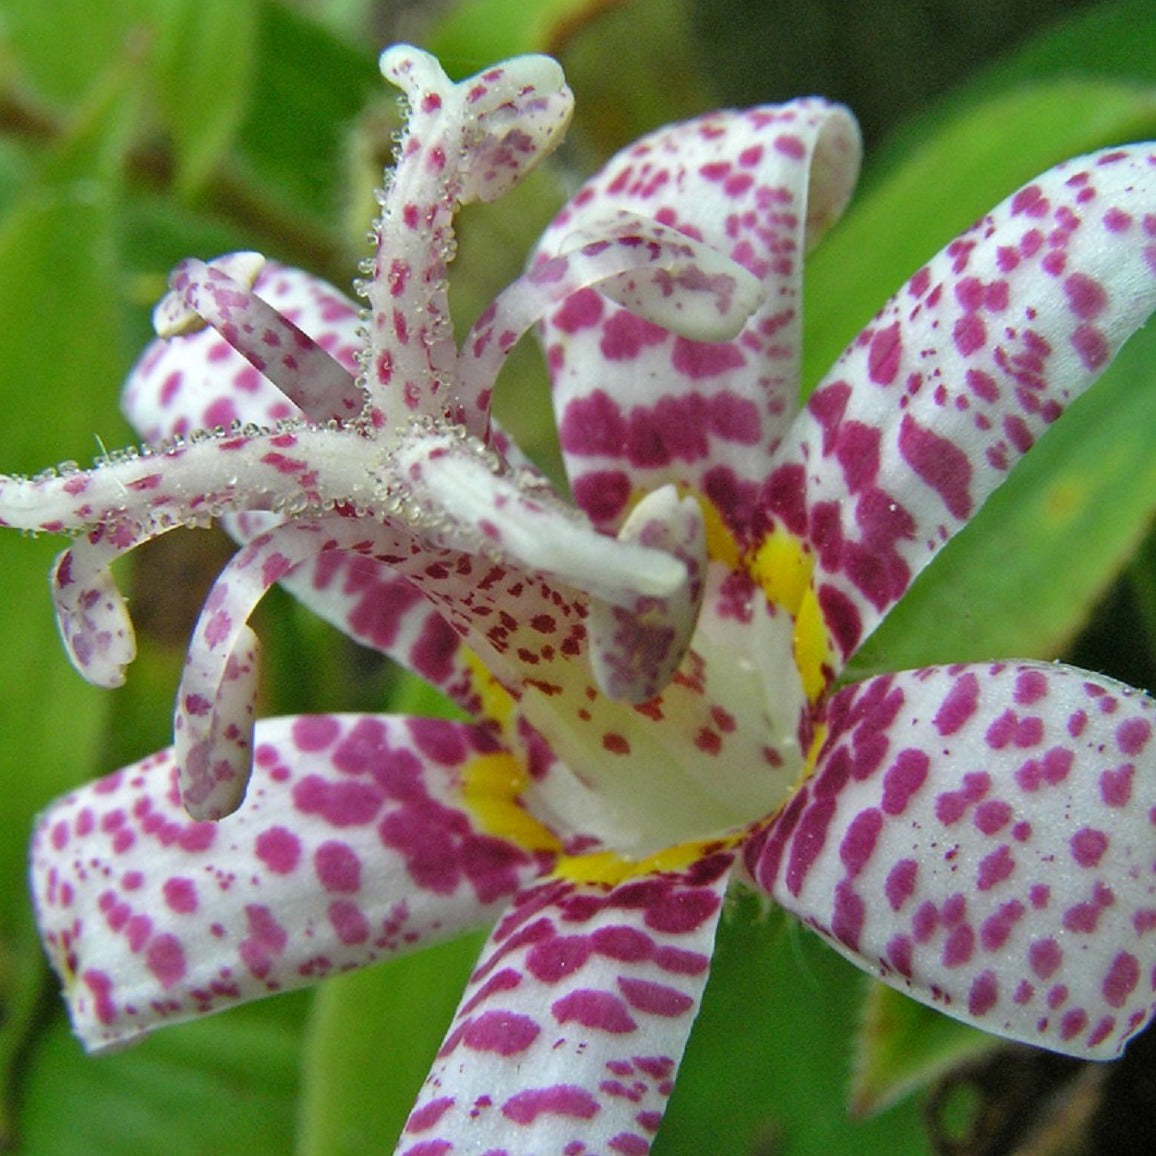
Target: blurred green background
pixel 135 132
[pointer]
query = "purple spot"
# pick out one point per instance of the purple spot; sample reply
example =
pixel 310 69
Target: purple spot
pixel 1088 846
pixel 1133 735
pixel 101 987
pixel 625 336
pixel 983 385
pixel 348 922
pixel 629 1144
pixel 994 932
pixel 1031 686
pixel 1092 347
pixel 342 804
pixel 1087 298
pixel 1116 786
pixel 809 841
pixel 902 779
pixel 900 884
pixel 602 494
pixel 959 705
pixel 939 463
pixel 1072 1023
pixel 580 310
pixel 1031 201
pixel 555 959
pixel 859 842
pixel 266 938
pixel 790 146
pixel 439 740
pixel 424 1118
pixel 848 914
pixel 959 946
pixel 841 616
pixel 502 1032
pixel 680 962
pixel 593 425
pixel 992 816
pixel 995 868
pixel 505 980
pixel 314 732
pixel 699 359
pixel 969 334
pixel 681 912
pixel 857 451
pixel 338 867
pixel 655 998
pixel 180 895
pixel 165 958
pixel 627 944
pixel 560 1100
pixel 984 994
pixel 1121 980
pixel 594 1009
pixel 1045 956
pixel 884 355
pixel 279 849
pixel 827 406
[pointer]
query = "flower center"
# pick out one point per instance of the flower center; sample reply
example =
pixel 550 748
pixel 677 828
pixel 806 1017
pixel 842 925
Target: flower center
pixel 721 746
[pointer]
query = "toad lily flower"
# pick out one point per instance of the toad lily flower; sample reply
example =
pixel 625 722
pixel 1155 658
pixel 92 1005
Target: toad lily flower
pixel 651 676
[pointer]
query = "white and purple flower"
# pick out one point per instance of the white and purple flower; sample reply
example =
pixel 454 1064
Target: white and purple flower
pixel 652 674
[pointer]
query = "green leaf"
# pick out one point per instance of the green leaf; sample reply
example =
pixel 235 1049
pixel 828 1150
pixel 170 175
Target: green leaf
pixel 203 70
pixel 1062 527
pixel 372 1038
pixel 309 90
pixel 973 162
pixel 1089 480
pixel 766 1070
pixel 477 33
pixel 619 95
pixel 1142 578
pixel 226 1085
pixel 60 363
pixel 30 43
pixel 902 1045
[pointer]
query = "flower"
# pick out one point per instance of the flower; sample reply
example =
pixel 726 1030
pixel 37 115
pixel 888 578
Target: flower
pixel 651 676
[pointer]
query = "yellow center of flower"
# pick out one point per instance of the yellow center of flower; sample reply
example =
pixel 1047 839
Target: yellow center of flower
pixel 718 749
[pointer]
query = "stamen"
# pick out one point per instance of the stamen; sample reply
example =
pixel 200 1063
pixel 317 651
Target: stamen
pixel 464 142
pixel 636 650
pixel 91 614
pixel 277 348
pixel 662 275
pixel 213 737
pixel 461 502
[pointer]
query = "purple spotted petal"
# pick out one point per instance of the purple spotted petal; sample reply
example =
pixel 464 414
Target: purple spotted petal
pixel 958 376
pixel 647 672
pixel 574 1022
pixel 362 837
pixel 758 186
pixel 374 605
pixel 983 839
